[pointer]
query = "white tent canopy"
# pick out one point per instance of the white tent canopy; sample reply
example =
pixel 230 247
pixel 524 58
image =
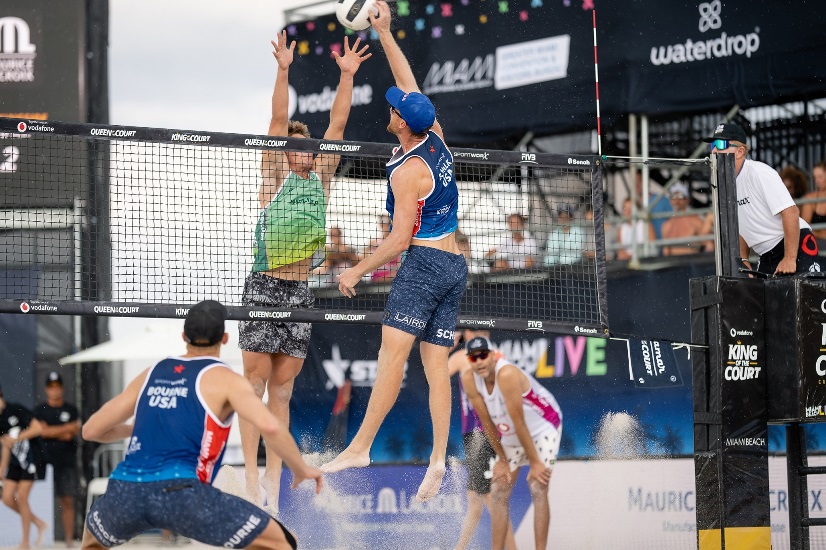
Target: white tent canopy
pixel 151 342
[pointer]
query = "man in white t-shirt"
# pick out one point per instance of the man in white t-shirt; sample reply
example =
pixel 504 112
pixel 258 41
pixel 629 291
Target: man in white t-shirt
pixel 517 249
pixel 523 423
pixel 768 220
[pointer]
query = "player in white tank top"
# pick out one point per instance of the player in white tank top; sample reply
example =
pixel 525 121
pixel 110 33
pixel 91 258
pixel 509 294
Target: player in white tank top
pixel 523 422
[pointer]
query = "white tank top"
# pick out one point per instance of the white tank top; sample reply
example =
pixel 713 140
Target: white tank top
pixel 541 411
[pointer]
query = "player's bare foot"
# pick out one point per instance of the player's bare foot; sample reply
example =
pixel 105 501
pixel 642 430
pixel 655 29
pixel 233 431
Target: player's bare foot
pixel 252 491
pixel 432 482
pixel 271 490
pixel 41 527
pixel 347 459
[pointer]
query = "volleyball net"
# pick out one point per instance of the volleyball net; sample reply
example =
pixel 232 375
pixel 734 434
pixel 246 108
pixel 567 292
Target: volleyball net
pixel 177 216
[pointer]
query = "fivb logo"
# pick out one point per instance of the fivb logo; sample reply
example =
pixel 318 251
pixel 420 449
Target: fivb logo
pixel 17 52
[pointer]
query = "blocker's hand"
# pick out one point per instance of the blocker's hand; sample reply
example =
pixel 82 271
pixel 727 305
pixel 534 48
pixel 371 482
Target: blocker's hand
pixel 350 62
pixel 347 282
pixel 283 54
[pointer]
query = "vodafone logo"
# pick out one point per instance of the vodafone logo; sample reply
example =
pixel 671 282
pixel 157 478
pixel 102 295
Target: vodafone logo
pixel 24 307
pixel 22 127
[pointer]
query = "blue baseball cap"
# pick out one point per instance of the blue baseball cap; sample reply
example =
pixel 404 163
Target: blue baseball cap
pixel 414 108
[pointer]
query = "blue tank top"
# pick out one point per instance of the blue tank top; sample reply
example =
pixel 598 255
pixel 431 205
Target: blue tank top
pixel 437 214
pixel 175 435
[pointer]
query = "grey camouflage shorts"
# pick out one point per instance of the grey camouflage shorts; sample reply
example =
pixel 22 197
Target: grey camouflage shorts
pixel 272 336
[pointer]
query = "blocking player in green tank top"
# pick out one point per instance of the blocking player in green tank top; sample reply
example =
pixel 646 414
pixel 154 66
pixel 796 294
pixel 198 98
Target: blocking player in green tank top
pixel 293 197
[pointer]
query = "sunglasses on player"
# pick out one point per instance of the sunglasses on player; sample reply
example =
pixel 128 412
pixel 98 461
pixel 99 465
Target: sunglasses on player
pixel 481 356
pixel 721 144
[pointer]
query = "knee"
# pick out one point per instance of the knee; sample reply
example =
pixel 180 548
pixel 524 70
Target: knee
pixel 539 492
pixel 258 383
pixel 8 498
pixel 280 392
pixel 499 493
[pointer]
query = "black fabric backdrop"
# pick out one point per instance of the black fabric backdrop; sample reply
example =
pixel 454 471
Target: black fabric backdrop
pixel 654 57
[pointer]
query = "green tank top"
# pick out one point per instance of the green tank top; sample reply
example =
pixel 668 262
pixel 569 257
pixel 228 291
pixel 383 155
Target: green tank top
pixel 291 227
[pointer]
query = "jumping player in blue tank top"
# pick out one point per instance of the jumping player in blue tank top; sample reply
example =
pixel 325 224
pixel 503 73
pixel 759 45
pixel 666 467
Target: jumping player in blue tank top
pixel 422 200
pixel 183 408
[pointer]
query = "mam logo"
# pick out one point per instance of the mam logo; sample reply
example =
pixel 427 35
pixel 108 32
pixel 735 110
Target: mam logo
pixel 721 46
pixel 561 356
pixel 360 372
pixel 17 52
pixel 457 77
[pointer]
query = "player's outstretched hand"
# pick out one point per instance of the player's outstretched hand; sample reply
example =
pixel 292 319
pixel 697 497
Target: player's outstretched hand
pixel 350 62
pixel 380 22
pixel 309 472
pixel 283 54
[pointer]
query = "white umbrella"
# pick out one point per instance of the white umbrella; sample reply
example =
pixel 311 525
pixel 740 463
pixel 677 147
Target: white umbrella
pixel 153 343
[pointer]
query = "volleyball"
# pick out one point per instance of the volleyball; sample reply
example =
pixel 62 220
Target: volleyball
pixel 353 14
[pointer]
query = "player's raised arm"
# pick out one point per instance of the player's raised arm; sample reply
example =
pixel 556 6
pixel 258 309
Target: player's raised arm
pixel 273 164
pixel 399 65
pixel 349 64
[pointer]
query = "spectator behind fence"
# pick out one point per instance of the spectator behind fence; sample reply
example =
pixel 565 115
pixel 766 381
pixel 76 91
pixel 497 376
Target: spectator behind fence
pixel 60 427
pixel 815 212
pixel 517 249
pixel 656 205
pixel 566 242
pixel 387 271
pixel 631 231
pixel 589 245
pixel 795 181
pixel 680 227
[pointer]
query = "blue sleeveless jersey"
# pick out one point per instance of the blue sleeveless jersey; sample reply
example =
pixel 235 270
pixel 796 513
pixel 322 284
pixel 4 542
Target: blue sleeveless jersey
pixel 175 435
pixel 437 214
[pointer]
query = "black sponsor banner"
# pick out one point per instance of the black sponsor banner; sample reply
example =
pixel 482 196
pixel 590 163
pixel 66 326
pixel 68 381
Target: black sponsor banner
pixel 796 325
pixel 744 403
pixel 242 313
pixel 18 127
pixel 730 412
pixel 497 69
pixel 653 364
pixel 42 59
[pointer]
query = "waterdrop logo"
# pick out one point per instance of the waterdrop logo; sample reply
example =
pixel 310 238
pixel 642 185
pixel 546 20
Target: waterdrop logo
pixel 710 15
pixel 722 46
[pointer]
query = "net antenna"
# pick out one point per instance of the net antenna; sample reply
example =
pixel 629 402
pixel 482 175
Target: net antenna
pixel 596 83
pixel 184 213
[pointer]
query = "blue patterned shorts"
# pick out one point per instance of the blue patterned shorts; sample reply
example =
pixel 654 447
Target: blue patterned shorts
pixel 187 507
pixel 425 295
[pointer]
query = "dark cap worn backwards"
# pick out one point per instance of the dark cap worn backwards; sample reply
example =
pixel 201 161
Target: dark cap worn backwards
pixel 480 343
pixel 54 378
pixel 729 131
pixel 414 108
pixel 204 325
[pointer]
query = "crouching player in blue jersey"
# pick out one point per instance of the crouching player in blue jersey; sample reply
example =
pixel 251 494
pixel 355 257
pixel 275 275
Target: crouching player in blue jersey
pixel 183 409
